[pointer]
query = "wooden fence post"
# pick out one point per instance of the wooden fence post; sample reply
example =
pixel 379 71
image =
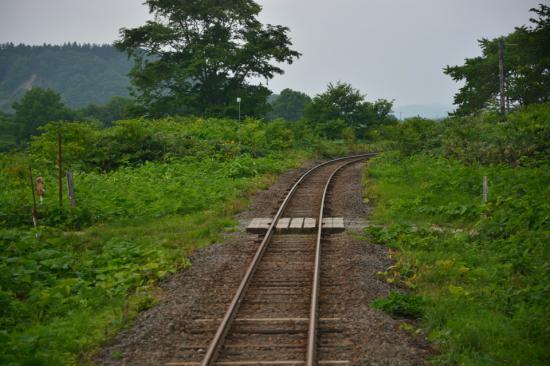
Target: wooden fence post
pixel 70 188
pixel 34 212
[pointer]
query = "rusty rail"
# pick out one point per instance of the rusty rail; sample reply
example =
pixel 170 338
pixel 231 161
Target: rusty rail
pixel 311 359
pixel 231 312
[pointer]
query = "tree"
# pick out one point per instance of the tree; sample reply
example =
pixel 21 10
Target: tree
pixel 289 105
pixel 198 56
pixel 7 132
pixel 38 107
pixel 527 69
pixel 117 108
pixel 342 105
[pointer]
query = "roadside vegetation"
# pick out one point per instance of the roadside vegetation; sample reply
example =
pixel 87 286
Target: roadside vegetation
pixel 477 273
pixel 147 194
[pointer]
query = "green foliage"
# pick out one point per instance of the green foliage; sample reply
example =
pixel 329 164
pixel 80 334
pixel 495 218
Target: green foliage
pixel 400 305
pixel 289 105
pixel 137 167
pixel 413 135
pixel 38 107
pixel 118 108
pixel 88 146
pixel 483 268
pixel 82 74
pixel 521 140
pixel 176 184
pixel 527 61
pixel 8 132
pixel 197 56
pixel 64 293
pixel 343 106
pixel 147 194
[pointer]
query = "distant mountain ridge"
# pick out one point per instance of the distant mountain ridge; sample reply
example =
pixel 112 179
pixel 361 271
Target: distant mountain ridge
pixel 82 74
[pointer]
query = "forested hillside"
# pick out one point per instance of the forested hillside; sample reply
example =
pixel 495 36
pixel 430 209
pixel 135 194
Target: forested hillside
pixel 83 74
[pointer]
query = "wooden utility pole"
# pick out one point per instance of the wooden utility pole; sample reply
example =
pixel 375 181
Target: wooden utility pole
pixel 501 76
pixel 59 168
pixel 34 212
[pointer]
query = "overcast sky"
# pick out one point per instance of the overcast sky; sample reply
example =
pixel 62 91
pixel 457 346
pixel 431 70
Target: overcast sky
pixel 388 49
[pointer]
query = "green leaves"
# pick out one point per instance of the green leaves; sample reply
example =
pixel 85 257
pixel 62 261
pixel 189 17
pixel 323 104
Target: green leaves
pixel 175 184
pixel 289 105
pixel 526 64
pixel 400 305
pixel 37 107
pixel 344 106
pixel 481 269
pixel 521 140
pixel 196 57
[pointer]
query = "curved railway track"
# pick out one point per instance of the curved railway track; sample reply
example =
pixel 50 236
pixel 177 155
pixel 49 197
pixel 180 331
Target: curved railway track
pixel 273 318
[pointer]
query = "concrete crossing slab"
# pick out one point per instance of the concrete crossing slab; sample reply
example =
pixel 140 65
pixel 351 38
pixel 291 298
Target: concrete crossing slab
pixel 259 225
pixel 309 225
pixel 282 224
pixel 296 225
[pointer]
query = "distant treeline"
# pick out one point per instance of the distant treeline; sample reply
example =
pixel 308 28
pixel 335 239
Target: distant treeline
pixel 82 74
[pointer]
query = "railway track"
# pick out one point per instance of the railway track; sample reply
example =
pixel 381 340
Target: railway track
pixel 275 317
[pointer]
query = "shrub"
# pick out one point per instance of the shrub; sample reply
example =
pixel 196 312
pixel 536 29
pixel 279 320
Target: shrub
pixel 400 305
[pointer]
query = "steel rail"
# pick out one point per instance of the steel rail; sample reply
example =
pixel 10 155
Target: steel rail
pixel 223 328
pixel 311 358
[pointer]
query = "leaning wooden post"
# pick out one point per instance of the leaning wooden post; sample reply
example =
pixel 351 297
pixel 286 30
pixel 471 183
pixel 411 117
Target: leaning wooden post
pixel 34 212
pixel 70 188
pixel 485 189
pixel 59 168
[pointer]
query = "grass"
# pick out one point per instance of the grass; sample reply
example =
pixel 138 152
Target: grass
pixel 482 269
pixel 399 305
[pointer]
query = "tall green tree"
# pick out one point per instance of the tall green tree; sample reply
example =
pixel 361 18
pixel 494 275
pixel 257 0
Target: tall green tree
pixel 198 56
pixel 38 107
pixel 527 68
pixel 289 105
pixel 344 106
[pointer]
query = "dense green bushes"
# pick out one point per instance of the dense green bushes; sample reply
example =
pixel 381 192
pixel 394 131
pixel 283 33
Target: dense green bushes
pixel 62 293
pixel 146 168
pixel 483 269
pixel 523 139
pixel 88 146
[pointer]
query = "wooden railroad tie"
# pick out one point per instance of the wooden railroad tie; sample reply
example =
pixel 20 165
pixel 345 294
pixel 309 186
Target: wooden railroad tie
pixel 296 225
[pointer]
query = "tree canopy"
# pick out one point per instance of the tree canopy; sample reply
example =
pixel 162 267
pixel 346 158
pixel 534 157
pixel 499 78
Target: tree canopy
pixel 198 56
pixel 37 107
pixel 527 68
pixel 118 108
pixel 344 106
pixel 289 105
